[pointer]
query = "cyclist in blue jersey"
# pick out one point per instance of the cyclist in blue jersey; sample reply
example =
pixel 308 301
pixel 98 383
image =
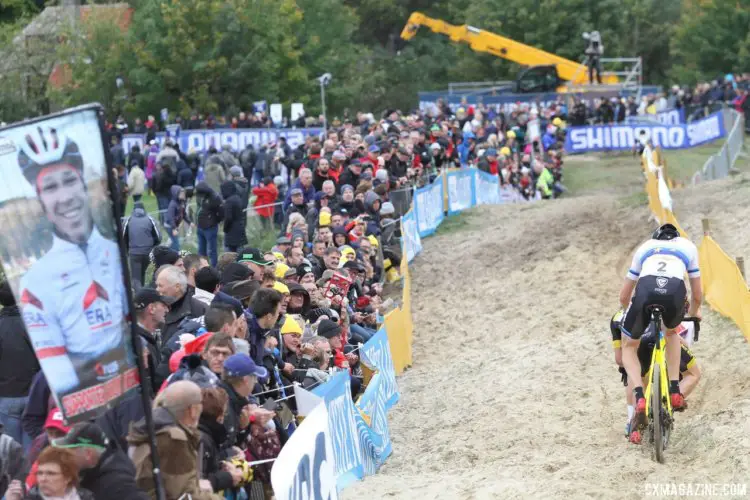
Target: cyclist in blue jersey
pixel 73 298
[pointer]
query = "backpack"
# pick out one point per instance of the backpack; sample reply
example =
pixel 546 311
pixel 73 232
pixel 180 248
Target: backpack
pixel 207 216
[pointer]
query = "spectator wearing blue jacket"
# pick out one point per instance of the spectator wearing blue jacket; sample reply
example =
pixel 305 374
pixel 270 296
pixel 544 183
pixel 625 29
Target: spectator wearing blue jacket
pixel 303 182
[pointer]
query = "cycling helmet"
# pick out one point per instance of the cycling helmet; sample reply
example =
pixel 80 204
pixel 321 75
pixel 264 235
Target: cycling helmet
pixel 666 232
pixel 44 146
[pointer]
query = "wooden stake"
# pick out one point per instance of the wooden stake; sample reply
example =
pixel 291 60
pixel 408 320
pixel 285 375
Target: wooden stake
pixel 706 227
pixel 741 264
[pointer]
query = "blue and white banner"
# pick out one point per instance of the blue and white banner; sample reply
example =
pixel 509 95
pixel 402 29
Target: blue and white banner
pixel 304 468
pixel 372 425
pixel 460 190
pixel 201 140
pixel 623 137
pixel 410 235
pixel 342 424
pixel 487 188
pixel 507 102
pixel 666 117
pixel 428 205
pixel 376 354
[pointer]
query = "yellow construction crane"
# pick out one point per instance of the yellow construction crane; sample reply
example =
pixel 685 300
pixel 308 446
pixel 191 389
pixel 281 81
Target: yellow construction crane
pixel 500 46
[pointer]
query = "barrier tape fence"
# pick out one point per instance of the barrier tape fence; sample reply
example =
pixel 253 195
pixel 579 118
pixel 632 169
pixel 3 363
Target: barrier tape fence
pixel 723 280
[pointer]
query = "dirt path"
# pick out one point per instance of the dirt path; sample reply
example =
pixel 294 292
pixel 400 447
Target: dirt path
pixel 514 393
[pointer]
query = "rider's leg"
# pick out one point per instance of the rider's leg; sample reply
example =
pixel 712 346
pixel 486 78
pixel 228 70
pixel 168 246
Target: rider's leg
pixel 673 356
pixel 630 362
pixel 690 379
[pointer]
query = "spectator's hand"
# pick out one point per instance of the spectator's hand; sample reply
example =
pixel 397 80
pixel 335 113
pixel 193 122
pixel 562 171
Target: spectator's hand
pixel 262 416
pixel 174 232
pixel 288 368
pixel 245 416
pixel 352 358
pixel 358 317
pixel 234 471
pixel 271 342
pixel 307 349
pixel 14 491
pixel 205 485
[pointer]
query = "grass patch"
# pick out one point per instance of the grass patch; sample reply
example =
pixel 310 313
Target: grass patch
pixel 257 236
pixel 455 223
pixel 620 171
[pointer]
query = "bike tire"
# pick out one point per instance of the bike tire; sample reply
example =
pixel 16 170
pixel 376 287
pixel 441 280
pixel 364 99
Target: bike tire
pixel 656 420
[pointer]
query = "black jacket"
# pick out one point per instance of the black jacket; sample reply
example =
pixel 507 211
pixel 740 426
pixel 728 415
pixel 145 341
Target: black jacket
pixel 348 177
pixel 37 406
pixel 210 206
pixel 116 421
pixel 234 217
pixel 141 232
pixel 186 307
pixel 18 363
pixel 113 477
pixel 154 354
pixel 171 346
pixel 235 435
pixel 213 435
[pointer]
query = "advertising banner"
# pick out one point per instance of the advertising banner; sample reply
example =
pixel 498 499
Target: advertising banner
pixel 376 354
pixel 342 425
pixel 372 426
pixel 623 137
pixel 487 188
pixel 666 117
pixel 201 140
pixel 460 190
pixel 304 469
pixel 61 255
pixel 428 205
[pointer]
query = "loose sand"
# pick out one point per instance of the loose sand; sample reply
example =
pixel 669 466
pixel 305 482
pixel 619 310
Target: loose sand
pixel 514 391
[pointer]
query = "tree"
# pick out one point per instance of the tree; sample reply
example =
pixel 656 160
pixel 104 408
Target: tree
pixel 708 39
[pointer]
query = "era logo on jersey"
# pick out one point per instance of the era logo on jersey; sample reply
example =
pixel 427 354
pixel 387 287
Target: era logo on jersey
pixel 33 316
pixel 34 319
pixel 96 306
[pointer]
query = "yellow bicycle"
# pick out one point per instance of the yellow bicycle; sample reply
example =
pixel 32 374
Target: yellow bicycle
pixel 659 405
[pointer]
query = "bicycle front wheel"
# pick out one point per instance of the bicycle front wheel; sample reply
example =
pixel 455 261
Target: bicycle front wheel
pixel 656 420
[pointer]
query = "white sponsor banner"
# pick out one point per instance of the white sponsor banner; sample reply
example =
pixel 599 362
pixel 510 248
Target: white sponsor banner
pixel 304 469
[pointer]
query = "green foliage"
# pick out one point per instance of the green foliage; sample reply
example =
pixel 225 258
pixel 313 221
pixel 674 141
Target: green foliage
pixel 709 37
pixel 218 56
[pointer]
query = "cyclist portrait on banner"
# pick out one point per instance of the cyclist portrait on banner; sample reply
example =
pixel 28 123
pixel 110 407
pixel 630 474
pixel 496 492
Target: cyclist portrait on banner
pixel 72 294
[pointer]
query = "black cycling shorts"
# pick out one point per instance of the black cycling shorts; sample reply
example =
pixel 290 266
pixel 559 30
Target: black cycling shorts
pixel 687 360
pixel 669 293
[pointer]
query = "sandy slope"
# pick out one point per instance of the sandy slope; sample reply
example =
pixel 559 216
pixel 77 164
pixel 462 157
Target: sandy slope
pixel 514 393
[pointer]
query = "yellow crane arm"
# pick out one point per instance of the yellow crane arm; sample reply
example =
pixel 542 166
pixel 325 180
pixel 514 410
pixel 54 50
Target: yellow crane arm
pixel 500 46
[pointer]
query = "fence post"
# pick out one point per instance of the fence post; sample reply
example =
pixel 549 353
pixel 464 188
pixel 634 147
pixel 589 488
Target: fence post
pixel 706 227
pixel 741 264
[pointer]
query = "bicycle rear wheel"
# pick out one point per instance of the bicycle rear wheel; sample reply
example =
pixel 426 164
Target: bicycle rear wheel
pixel 656 420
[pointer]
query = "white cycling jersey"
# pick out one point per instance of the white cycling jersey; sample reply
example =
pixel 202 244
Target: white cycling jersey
pixel 667 258
pixel 74 302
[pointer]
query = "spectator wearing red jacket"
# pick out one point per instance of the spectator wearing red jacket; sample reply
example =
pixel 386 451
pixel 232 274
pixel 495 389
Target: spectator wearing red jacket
pixel 266 194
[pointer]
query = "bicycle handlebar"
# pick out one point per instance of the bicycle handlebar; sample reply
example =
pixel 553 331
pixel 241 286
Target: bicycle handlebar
pixel 697 322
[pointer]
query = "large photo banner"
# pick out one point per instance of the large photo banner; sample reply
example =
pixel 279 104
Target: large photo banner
pixel 460 190
pixel 410 235
pixel 623 137
pixel 202 140
pixel 304 469
pixel 61 256
pixel 428 205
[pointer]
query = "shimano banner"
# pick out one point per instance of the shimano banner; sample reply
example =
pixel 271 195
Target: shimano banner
pixel 460 190
pixel 201 140
pixel 623 137
pixel 428 205
pixel 410 234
